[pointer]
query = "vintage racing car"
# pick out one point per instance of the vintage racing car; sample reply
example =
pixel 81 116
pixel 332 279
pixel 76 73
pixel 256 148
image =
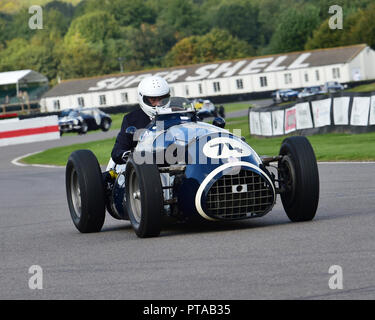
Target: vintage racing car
pixel 187 169
pixel 83 119
pixel 284 95
pixel 208 109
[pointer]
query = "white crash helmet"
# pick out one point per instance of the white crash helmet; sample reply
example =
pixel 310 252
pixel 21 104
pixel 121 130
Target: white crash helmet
pixel 153 87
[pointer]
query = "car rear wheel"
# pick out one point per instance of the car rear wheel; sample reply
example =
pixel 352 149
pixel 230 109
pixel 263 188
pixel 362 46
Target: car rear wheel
pixel 222 111
pixel 85 191
pixel 144 198
pixel 299 177
pixel 105 125
pixel 215 112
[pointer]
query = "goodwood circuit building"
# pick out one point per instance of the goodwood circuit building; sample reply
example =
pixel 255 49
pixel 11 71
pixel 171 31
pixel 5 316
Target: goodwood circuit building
pixel 224 80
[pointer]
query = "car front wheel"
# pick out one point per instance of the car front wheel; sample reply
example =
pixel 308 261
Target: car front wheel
pixel 85 191
pixel 299 179
pixel 144 198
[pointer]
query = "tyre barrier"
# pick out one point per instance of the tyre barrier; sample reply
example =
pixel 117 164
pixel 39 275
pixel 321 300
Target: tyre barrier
pixel 15 131
pixel 341 112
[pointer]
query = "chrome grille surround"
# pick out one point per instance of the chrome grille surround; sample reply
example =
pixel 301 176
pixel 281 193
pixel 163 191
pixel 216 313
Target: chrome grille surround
pixel 244 195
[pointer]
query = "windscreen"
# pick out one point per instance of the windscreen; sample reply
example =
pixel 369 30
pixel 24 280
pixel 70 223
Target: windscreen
pixel 177 104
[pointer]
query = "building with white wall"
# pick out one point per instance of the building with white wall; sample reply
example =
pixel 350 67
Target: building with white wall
pixel 223 78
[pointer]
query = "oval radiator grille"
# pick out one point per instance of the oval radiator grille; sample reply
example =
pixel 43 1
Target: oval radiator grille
pixel 239 196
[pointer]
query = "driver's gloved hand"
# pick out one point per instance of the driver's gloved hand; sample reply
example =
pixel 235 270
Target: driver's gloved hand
pixel 106 177
pixel 125 156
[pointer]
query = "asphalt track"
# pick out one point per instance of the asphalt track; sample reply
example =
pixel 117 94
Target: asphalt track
pixel 265 258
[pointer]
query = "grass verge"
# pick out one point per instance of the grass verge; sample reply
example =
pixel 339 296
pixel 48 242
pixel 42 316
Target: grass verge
pixel 363 88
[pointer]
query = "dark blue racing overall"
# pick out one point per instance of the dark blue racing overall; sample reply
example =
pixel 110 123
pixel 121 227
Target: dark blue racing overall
pixel 124 141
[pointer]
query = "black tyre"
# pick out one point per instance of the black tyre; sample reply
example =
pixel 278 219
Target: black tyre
pixel 299 176
pixel 215 112
pixel 84 128
pixel 106 125
pixel 222 112
pixel 85 191
pixel 144 198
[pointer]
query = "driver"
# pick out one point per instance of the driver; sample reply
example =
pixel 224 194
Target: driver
pixel 153 93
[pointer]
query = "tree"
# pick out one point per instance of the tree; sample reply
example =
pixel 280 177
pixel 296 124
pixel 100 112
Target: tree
pixel 112 50
pixel 57 17
pixel 79 58
pixel 268 17
pixel 216 45
pixel 19 26
pixel 65 8
pixel 55 22
pixel 37 55
pixel 147 46
pixel 131 12
pixel 183 53
pixel 94 26
pixel 364 29
pixel 349 6
pixel 324 37
pixel 4 27
pixel 181 16
pixel 87 6
pixel 295 27
pixel 9 6
pixel 240 18
pixel 8 56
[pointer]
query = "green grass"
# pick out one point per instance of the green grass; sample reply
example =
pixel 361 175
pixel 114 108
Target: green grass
pixel 236 106
pixel 117 120
pixel 327 147
pixel 59 156
pixel 363 88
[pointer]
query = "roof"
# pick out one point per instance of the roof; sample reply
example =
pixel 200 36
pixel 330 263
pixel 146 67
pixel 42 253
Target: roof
pixel 12 77
pixel 212 70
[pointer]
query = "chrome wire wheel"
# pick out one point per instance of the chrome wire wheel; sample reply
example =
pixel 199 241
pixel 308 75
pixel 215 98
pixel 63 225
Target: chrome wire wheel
pixel 135 196
pixel 76 193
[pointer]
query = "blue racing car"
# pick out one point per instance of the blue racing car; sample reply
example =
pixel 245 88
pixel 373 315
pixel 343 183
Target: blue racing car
pixel 191 170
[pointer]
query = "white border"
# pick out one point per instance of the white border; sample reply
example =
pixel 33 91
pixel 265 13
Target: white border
pixel 16 162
